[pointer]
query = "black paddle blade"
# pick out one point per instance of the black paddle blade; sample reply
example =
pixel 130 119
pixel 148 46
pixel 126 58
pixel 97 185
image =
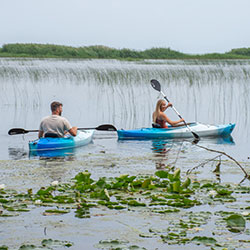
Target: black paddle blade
pixel 156 85
pixel 17 131
pixel 195 141
pixel 106 127
pixel 195 136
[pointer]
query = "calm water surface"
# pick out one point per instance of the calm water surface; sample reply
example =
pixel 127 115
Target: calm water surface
pixel 96 92
pixel 108 91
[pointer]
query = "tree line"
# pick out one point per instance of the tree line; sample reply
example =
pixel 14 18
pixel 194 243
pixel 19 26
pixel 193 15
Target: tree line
pixel 103 52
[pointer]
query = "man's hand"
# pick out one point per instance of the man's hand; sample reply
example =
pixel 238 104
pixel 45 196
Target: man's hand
pixel 73 131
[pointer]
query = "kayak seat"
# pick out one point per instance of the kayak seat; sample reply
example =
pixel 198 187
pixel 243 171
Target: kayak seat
pixel 53 135
pixel 156 125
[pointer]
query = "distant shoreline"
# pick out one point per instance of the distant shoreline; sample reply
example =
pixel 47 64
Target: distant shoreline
pixel 32 50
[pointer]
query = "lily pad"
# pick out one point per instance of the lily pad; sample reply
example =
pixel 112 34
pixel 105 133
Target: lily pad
pixel 55 212
pixel 27 247
pixel 236 223
pixel 204 240
pixel 112 244
pixel 56 243
pixel 3 248
pixel 161 174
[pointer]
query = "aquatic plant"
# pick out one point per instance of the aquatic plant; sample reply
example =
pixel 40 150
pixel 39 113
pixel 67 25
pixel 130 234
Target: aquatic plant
pixel 165 194
pixel 47 244
pixel 236 223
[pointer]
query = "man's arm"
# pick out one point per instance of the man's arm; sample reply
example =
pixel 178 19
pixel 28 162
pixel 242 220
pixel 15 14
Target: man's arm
pixel 68 128
pixel 73 131
pixel 40 133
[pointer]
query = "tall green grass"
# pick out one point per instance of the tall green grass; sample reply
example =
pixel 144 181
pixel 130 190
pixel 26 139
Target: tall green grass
pixel 103 52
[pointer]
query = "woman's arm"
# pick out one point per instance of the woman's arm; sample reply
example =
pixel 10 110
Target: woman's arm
pixel 169 105
pixel 172 123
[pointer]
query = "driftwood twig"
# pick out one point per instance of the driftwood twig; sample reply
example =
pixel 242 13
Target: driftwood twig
pixel 203 164
pixel 230 157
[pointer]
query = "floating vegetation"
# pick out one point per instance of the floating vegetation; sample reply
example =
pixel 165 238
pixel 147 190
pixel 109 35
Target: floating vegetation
pixel 117 244
pixel 208 241
pixel 236 223
pixel 48 244
pixel 163 194
pixel 4 248
pixel 55 211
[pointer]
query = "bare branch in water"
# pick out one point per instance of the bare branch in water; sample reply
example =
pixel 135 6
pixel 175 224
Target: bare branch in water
pixel 203 164
pixel 230 157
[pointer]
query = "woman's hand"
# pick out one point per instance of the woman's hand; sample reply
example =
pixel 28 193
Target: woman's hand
pixel 169 105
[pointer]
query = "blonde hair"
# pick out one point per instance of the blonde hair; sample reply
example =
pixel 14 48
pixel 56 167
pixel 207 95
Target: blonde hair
pixel 158 109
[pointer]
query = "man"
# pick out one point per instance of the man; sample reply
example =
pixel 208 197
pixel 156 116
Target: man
pixel 55 125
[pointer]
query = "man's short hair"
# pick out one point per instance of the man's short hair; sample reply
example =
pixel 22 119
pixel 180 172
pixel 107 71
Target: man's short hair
pixel 55 105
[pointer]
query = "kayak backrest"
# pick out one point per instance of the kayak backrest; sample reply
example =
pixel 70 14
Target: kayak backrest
pixel 156 125
pixel 52 135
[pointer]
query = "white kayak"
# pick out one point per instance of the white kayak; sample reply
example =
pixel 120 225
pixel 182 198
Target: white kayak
pixel 203 130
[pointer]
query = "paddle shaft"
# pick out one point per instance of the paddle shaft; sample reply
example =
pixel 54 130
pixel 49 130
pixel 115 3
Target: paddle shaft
pixel 104 127
pixel 174 108
pixel 24 131
pixel 36 130
pixel 194 134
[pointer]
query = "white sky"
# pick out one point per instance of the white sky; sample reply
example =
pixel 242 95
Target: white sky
pixel 189 26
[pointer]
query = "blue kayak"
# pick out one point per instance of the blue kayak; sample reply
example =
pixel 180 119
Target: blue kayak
pixel 49 144
pixel 171 132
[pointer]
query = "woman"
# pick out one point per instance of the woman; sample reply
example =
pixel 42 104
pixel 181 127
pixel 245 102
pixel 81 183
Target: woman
pixel 160 118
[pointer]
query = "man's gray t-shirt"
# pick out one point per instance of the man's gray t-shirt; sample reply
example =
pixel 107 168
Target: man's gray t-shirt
pixel 55 124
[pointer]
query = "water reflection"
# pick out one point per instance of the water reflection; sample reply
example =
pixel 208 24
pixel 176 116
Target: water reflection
pixel 161 148
pixel 164 150
pixel 17 153
pixel 54 168
pixel 59 153
pixel 220 140
pixel 20 154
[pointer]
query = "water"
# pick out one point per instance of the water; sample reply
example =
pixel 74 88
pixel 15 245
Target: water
pixel 96 92
pixel 108 91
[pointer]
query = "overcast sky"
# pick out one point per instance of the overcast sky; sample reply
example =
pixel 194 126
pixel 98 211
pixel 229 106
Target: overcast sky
pixel 190 26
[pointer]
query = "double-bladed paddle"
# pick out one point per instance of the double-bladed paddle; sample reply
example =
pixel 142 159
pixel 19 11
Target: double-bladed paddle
pixel 157 86
pixel 104 127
